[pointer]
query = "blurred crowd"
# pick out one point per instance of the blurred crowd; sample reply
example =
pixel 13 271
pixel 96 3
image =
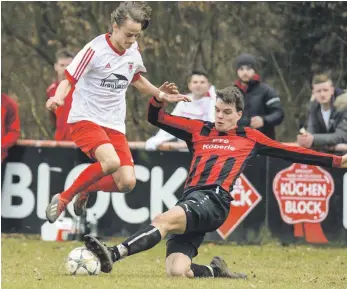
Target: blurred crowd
pixel 325 127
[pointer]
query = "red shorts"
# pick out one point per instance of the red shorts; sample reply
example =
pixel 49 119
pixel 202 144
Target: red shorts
pixel 88 136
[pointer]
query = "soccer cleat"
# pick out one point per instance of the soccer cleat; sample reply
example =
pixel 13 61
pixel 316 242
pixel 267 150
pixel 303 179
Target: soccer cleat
pixel 80 204
pixel 219 266
pixel 103 252
pixel 55 208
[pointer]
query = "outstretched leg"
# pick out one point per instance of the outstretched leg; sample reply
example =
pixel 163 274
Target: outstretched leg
pixel 172 221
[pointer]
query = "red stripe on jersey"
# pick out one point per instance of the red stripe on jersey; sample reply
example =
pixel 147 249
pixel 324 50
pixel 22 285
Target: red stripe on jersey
pixel 236 169
pixel 83 63
pixel 82 60
pixel 70 78
pixel 199 170
pixel 90 56
pixel 213 177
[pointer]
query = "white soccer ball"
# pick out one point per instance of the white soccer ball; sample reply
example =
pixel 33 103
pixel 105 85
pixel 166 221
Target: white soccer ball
pixel 81 261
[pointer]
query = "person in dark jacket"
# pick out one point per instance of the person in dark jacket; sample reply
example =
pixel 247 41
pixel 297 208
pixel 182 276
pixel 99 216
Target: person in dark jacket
pixel 327 126
pixel 263 109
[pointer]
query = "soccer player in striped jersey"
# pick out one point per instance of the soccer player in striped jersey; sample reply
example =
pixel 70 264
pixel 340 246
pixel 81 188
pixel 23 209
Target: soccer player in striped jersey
pixel 100 75
pixel 220 152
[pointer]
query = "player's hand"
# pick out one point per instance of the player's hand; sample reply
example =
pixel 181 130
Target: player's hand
pixel 305 140
pixel 172 98
pixel 53 103
pixel 344 161
pixel 257 122
pixel 169 88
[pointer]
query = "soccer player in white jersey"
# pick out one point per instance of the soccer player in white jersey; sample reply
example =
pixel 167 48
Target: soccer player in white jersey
pixel 100 75
pixel 201 107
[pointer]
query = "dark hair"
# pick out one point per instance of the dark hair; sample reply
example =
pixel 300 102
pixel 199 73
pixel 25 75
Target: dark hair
pixel 320 78
pixel 64 53
pixel 231 95
pixel 137 11
pixel 197 72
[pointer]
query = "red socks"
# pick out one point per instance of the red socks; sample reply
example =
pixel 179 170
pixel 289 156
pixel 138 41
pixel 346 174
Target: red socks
pixel 106 184
pixel 89 176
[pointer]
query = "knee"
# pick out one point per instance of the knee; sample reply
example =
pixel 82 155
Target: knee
pixel 177 271
pixel 110 165
pixel 159 220
pixel 126 185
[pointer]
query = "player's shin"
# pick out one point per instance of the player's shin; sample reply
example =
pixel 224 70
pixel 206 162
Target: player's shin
pixel 106 184
pixel 91 174
pixel 141 241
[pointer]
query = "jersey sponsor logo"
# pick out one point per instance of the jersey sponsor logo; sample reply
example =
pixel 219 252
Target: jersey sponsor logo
pixel 303 193
pixel 246 198
pixel 219 143
pixel 219 147
pixel 115 81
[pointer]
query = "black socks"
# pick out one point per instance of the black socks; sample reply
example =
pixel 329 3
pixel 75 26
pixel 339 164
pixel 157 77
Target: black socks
pixel 141 241
pixel 202 271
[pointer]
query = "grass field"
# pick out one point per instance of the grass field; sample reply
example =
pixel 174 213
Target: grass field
pixel 29 263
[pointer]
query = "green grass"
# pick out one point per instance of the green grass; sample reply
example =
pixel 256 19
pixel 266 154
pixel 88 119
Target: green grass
pixel 29 263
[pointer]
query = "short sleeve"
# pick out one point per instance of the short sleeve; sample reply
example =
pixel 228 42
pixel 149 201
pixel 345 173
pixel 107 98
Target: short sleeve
pixel 81 64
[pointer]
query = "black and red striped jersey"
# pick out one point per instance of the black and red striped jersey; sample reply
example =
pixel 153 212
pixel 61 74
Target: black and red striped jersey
pixel 218 158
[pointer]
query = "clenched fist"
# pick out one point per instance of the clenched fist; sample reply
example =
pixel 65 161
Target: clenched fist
pixel 53 103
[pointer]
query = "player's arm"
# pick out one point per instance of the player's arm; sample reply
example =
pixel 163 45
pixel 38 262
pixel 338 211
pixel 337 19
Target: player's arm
pixel 180 127
pixel 296 154
pixel 13 127
pixel 60 94
pixel 80 65
pixel 275 111
pixel 147 88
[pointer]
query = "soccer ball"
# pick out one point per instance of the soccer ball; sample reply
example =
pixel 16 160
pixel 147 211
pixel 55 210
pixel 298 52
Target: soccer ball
pixel 81 261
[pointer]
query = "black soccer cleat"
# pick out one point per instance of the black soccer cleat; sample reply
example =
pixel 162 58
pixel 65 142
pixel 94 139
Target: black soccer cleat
pixel 222 271
pixel 103 252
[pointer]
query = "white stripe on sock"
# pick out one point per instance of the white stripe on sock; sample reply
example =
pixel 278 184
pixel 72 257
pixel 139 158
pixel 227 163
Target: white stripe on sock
pixel 209 267
pixel 142 235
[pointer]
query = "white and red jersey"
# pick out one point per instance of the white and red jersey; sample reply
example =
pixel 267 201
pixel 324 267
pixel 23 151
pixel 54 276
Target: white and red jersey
pixel 101 76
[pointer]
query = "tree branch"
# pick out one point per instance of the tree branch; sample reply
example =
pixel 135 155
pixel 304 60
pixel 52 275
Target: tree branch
pixel 280 74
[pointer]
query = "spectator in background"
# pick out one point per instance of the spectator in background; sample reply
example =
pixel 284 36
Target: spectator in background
pixel 201 106
pixel 10 124
pixel 59 117
pixel 341 105
pixel 263 109
pixel 327 125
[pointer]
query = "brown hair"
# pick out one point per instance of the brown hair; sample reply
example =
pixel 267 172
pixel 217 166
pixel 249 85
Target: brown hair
pixel 137 11
pixel 64 53
pixel 232 95
pixel 197 72
pixel 320 78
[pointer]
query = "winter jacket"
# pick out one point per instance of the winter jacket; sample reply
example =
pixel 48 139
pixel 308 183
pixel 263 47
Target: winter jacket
pixel 336 133
pixel 261 100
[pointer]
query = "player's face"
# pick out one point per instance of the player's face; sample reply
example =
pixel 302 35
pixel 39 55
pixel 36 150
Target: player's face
pixel 61 65
pixel 245 73
pixel 323 92
pixel 126 35
pixel 199 85
pixel 226 116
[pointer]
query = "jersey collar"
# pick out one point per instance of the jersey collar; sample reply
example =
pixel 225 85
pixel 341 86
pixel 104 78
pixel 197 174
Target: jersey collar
pixel 108 35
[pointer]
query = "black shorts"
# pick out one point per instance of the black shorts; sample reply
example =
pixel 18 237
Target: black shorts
pixel 206 209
